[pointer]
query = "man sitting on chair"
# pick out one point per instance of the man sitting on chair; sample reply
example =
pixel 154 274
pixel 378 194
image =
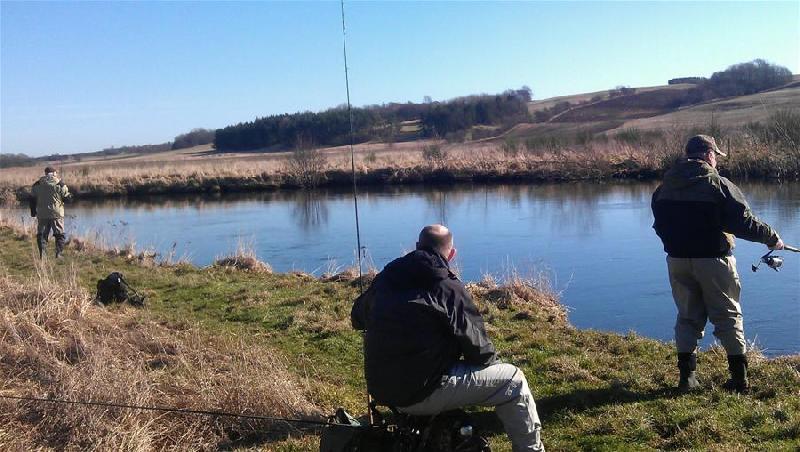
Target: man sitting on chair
pixel 426 347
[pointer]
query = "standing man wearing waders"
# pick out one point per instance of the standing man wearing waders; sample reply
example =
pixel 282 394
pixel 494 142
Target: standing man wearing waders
pixel 697 214
pixel 47 205
pixel 426 347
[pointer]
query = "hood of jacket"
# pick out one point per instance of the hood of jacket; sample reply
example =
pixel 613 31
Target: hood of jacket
pixel 417 269
pixel 49 180
pixel 688 172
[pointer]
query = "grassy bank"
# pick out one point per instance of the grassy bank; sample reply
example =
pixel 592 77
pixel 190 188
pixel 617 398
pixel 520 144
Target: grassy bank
pixel 240 338
pixel 526 153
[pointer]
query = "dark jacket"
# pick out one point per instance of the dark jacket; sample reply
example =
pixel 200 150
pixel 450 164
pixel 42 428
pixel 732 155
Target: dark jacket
pixel 696 209
pixel 419 320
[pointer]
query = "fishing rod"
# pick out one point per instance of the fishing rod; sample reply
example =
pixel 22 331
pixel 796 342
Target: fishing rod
pixel 355 191
pixel 773 262
pixel 165 409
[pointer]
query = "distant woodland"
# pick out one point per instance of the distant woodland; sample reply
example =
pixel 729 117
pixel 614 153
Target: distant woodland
pixel 378 122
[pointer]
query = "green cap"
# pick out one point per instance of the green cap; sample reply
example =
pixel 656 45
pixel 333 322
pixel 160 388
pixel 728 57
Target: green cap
pixel 701 144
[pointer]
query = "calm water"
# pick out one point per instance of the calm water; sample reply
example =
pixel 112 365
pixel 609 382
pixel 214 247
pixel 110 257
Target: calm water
pixel 595 240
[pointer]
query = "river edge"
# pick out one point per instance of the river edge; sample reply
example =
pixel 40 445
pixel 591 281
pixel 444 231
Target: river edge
pixel 593 389
pixel 266 182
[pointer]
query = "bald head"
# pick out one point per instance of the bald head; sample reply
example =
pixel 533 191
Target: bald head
pixel 438 238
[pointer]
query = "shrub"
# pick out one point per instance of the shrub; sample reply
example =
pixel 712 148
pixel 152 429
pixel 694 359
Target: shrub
pixel 306 165
pixel 434 154
pixel 786 127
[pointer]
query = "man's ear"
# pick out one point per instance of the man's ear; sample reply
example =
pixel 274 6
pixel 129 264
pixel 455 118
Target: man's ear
pixel 452 254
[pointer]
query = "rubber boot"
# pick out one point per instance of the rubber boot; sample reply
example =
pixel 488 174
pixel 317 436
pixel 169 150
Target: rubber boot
pixel 687 364
pixel 737 365
pixel 60 240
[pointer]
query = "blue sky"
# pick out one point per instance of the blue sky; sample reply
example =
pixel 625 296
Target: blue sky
pixel 78 77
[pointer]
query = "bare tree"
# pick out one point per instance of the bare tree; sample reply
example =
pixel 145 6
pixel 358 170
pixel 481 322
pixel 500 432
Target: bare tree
pixel 306 164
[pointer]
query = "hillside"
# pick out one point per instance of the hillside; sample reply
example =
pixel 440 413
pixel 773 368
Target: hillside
pixel 729 112
pixel 641 104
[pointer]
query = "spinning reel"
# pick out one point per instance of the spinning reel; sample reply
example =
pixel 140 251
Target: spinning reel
pixel 773 262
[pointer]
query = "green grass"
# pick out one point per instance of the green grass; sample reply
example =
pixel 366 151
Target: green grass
pixel 594 390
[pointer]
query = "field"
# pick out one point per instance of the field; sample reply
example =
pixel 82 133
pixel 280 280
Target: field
pixel 538 105
pixel 239 338
pixel 732 112
pixel 630 136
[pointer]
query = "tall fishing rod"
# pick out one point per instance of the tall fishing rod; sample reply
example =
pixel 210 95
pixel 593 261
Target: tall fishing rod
pixel 352 152
pixel 355 188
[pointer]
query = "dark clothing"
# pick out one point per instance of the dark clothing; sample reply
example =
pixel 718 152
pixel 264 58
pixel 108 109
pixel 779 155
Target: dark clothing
pixel 419 320
pixel 695 209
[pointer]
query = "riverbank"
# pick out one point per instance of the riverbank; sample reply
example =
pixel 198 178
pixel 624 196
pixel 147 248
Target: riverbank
pixel 594 389
pixel 510 159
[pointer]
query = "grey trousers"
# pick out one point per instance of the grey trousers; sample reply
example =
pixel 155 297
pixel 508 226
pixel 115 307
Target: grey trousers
pixel 707 289
pixel 43 229
pixel 502 386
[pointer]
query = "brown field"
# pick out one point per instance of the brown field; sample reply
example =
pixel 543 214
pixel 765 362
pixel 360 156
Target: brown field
pixel 731 112
pixel 638 105
pixel 538 105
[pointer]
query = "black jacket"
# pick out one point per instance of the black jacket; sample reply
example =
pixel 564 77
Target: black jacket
pixel 419 321
pixel 697 212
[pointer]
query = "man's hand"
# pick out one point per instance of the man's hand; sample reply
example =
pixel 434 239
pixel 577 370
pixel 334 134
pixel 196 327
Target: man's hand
pixel 778 245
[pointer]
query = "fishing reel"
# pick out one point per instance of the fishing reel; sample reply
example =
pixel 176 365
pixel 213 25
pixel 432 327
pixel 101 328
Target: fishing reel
pixel 773 262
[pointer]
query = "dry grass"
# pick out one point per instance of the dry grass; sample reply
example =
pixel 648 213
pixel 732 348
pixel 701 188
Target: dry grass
pixel 244 259
pixel 55 343
pixel 526 294
pixel 398 162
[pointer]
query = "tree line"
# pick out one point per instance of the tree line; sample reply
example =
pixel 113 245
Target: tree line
pixel 376 122
pixel 739 80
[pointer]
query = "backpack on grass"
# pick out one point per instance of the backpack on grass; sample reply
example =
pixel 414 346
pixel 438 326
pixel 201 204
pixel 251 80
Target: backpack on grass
pixel 114 289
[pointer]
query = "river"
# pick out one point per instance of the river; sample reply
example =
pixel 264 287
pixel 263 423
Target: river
pixel 594 240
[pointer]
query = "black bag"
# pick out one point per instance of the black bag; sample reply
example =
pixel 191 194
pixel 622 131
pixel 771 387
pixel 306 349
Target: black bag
pixel 447 432
pixel 114 289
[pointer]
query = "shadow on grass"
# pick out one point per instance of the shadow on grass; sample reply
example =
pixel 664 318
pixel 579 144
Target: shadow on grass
pixel 587 399
pixel 583 399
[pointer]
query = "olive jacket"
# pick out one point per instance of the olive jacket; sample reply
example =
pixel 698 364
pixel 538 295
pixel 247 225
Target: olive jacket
pixel 47 198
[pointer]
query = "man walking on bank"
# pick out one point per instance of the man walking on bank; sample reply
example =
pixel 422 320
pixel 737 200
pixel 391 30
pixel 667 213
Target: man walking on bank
pixel 47 205
pixel 697 214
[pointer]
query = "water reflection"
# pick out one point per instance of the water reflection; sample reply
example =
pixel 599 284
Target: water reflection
pixel 310 211
pixel 570 208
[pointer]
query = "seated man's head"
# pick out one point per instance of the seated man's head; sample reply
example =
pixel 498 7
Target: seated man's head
pixel 438 238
